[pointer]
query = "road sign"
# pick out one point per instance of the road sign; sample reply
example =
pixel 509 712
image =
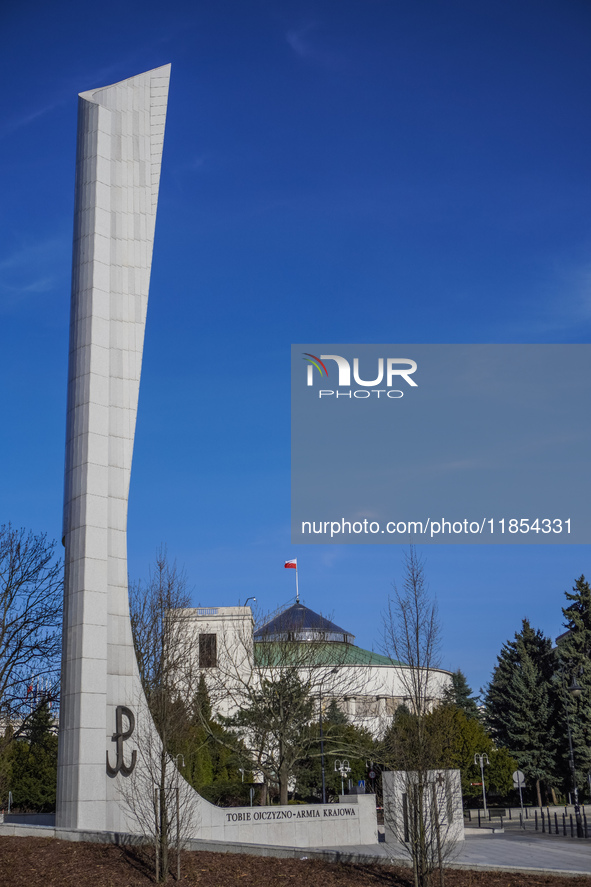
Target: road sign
pixel 475 783
pixel 518 779
pixel 372 774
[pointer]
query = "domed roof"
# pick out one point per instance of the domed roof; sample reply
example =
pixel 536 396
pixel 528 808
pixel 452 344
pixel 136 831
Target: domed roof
pixel 298 623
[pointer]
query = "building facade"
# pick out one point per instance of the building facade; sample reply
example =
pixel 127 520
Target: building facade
pixel 232 654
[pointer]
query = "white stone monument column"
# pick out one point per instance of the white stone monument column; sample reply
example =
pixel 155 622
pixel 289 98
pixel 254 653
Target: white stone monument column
pixel 119 151
pixel 107 740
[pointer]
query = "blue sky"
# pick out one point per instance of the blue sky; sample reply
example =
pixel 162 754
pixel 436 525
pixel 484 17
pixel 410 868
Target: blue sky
pixel 365 171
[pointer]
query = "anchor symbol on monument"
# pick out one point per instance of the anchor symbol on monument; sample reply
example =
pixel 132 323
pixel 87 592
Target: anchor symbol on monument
pixel 119 737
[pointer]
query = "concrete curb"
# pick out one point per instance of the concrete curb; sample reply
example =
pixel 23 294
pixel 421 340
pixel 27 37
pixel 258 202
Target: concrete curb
pixel 485 830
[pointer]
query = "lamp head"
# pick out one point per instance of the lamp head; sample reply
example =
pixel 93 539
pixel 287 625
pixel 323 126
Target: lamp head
pixel 575 688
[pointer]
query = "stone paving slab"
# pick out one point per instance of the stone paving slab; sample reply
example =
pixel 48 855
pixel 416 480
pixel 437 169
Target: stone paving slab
pixel 528 851
pixel 505 852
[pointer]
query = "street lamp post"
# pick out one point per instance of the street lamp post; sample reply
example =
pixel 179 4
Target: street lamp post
pixel 482 760
pixel 178 820
pixel 322 751
pixel 333 671
pixel 344 768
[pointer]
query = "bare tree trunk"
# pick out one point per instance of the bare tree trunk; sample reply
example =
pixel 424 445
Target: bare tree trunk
pixel 283 785
pixel 163 819
pixel 424 879
pixel 156 836
pixel 169 676
pixel 414 842
pixel 539 792
pixel 411 635
pixel 435 819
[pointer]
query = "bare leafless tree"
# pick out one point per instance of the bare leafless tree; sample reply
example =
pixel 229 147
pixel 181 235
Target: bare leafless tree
pixel 31 594
pixel 412 634
pixel 419 808
pixel 159 798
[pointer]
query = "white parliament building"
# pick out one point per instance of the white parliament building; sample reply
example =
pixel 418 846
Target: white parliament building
pixel 368 687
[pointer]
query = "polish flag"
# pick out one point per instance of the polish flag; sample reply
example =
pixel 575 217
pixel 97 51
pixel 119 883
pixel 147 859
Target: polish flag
pixel 292 564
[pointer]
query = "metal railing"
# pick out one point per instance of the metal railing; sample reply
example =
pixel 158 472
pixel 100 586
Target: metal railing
pixel 560 822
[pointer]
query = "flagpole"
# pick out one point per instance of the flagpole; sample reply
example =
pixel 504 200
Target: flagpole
pixel 294 563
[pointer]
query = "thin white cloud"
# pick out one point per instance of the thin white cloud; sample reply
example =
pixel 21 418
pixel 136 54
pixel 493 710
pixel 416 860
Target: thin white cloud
pixel 332 555
pixel 196 163
pixel 297 40
pixel 573 301
pixel 23 258
pixel 302 41
pixel 104 76
pixel 30 271
pixel 12 126
pixel 193 164
pixel 563 308
pixel 40 285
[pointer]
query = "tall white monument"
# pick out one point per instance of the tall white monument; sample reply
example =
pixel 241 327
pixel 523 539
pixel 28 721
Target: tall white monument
pixel 107 739
pixel 119 151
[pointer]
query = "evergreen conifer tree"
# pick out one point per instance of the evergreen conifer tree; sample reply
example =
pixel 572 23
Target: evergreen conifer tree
pixel 214 760
pixel 521 706
pixel 574 655
pixel 460 695
pixel 334 715
pixel 33 765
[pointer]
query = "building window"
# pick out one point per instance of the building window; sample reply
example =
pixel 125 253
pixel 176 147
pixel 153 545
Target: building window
pixel 208 651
